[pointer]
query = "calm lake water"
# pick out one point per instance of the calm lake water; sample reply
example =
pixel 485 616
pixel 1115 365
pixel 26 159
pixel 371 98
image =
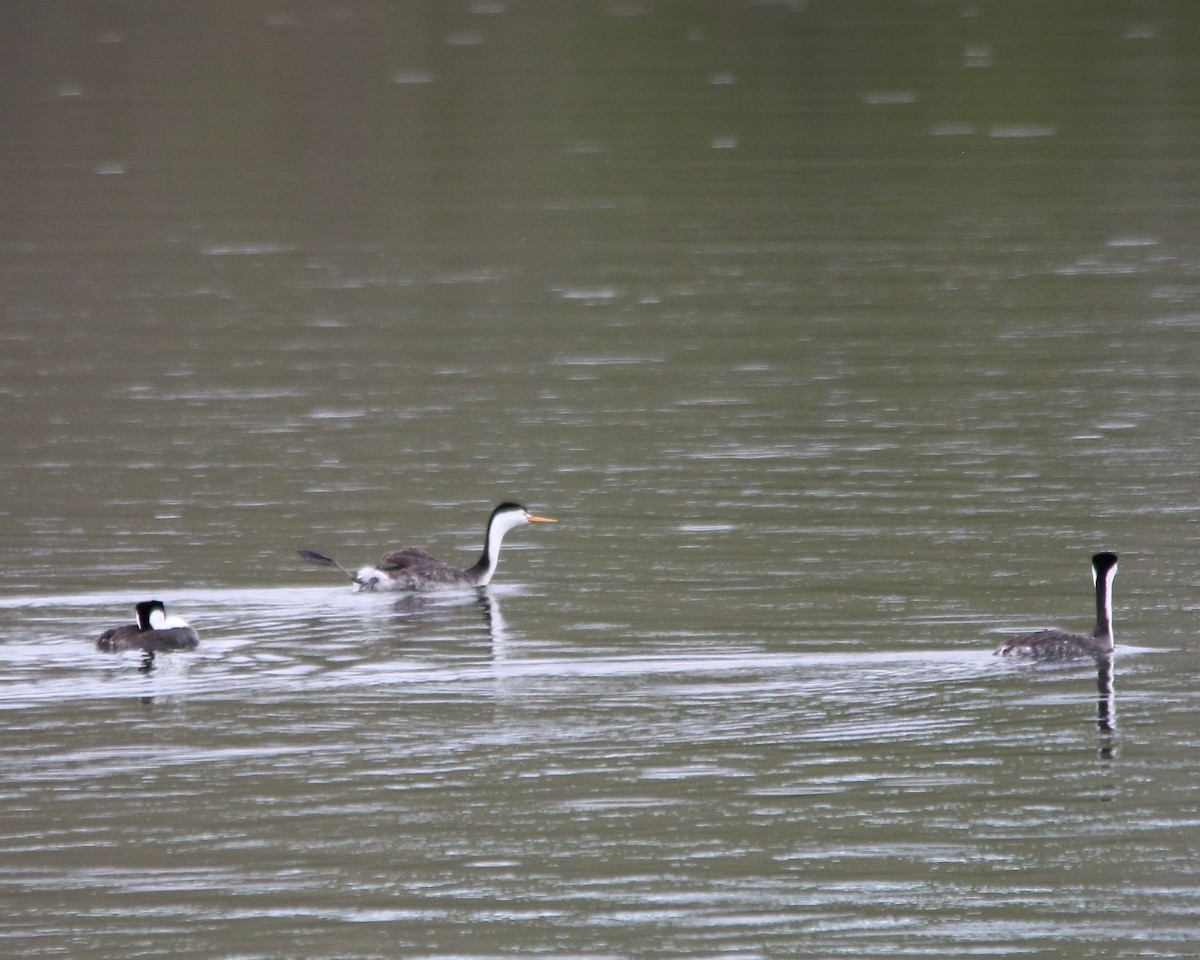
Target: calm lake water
pixel 837 336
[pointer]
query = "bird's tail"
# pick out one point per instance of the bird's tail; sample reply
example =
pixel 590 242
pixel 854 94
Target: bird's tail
pixel 323 561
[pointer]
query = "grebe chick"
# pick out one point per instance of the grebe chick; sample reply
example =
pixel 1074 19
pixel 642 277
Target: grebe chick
pixel 1061 645
pixel 411 568
pixel 154 632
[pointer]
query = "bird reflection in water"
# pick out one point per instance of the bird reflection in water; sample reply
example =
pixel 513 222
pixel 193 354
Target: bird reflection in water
pixel 1106 698
pixel 1106 707
pixel 414 609
pixel 493 619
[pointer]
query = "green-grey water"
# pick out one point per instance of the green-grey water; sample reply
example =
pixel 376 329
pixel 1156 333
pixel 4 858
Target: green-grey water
pixel 837 336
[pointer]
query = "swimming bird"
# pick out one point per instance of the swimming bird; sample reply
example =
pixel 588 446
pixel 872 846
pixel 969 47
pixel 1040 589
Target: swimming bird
pixel 1060 645
pixel 153 632
pixel 411 568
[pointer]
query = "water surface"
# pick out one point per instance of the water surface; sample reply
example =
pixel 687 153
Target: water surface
pixel 837 338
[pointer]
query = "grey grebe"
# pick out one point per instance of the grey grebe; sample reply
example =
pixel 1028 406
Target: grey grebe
pixel 1060 645
pixel 412 568
pixel 153 632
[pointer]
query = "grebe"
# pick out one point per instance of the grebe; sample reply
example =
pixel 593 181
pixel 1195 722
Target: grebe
pixel 153 632
pixel 412 568
pixel 1060 645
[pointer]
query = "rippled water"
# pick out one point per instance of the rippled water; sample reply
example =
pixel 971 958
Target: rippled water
pixel 341 774
pixel 837 340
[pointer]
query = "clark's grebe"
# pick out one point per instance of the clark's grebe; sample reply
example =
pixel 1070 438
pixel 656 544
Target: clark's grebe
pixel 412 568
pixel 1060 645
pixel 153 632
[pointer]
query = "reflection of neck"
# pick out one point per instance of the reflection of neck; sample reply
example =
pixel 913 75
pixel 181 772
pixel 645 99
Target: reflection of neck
pixel 490 608
pixel 1106 705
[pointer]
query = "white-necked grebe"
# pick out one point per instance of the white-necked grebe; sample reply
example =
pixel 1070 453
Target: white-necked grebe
pixel 1061 645
pixel 154 632
pixel 412 568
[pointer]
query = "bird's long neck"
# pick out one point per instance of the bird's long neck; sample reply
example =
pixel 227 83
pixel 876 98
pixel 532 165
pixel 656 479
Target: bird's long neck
pixel 146 613
pixel 485 566
pixel 1104 584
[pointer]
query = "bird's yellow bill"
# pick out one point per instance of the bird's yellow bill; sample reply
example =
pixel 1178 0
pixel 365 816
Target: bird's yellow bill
pixel 534 518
